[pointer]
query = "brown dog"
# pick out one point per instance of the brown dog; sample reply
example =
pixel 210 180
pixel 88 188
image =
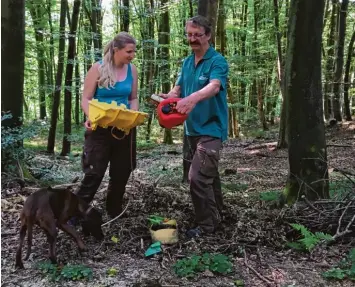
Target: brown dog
pixel 51 208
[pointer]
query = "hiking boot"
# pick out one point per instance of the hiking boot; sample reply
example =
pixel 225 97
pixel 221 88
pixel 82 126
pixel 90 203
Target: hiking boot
pixel 194 232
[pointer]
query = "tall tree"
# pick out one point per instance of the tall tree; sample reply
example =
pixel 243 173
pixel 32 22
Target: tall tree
pixel 37 11
pixel 243 54
pixel 308 171
pixel 124 23
pixel 93 11
pixel 329 66
pixel 59 77
pixel 347 78
pixel 13 59
pixel 69 78
pixel 208 8
pixel 164 45
pixel 149 56
pixel 339 61
pixel 280 76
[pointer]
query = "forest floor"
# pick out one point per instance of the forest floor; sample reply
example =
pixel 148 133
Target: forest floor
pixel 254 230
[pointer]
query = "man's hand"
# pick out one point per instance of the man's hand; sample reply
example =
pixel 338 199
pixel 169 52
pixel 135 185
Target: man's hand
pixel 169 95
pixel 186 105
pixel 88 125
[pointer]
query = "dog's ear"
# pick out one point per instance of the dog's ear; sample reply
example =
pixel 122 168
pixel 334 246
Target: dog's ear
pixel 49 187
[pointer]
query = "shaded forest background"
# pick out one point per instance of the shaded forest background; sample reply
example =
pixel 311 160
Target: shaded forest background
pixel 261 40
pixel 291 104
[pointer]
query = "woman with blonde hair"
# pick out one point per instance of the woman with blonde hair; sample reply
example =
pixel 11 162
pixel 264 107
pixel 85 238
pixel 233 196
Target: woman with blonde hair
pixel 113 78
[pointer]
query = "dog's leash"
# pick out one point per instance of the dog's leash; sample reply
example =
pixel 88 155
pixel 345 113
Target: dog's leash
pixel 117 217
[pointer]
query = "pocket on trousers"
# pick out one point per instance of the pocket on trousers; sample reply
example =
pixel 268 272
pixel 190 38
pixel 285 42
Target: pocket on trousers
pixel 87 160
pixel 209 162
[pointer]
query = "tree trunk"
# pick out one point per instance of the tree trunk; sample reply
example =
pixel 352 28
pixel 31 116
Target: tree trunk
pixel 339 61
pixel 12 76
pixel 243 36
pixel 13 57
pixel 37 13
pixel 77 94
pixel 220 35
pixel 95 17
pixel 347 78
pixel 124 23
pixel 59 77
pixel 149 57
pixel 208 9
pixel 282 143
pixel 51 62
pixel 87 39
pixel 69 79
pixel 261 111
pixel 308 170
pixel 163 54
pixel 329 66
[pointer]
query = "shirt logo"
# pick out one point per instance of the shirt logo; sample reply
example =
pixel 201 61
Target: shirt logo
pixel 203 78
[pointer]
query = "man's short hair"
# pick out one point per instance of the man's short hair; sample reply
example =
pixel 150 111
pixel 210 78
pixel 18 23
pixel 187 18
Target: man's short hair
pixel 202 22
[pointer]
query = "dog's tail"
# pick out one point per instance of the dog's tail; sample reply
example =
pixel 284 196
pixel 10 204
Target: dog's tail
pixel 29 238
pixel 23 230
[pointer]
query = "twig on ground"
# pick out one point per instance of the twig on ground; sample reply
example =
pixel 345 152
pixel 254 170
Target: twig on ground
pixel 346 230
pixel 311 205
pixel 339 145
pixel 256 272
pixel 157 180
pixel 259 146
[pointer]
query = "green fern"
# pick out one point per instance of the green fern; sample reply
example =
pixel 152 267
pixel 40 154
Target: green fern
pixel 344 269
pixel 309 240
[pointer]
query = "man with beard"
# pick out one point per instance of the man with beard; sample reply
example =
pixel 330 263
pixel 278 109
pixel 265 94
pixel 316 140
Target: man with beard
pixel 202 85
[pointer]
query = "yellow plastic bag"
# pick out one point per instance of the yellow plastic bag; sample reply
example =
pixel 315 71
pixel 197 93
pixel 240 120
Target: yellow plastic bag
pixel 105 115
pixel 166 232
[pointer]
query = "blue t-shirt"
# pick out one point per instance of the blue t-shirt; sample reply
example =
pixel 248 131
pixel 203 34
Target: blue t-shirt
pixel 210 116
pixel 120 92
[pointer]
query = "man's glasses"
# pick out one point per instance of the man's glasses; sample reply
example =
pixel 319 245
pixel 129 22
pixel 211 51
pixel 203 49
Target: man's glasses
pixel 196 36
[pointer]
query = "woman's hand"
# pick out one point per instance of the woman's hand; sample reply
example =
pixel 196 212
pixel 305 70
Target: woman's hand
pixel 88 125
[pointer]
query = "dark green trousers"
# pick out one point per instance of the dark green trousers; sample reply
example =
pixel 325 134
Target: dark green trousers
pixel 205 184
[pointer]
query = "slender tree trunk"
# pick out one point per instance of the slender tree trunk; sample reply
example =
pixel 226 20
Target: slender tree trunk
pixel 124 16
pixel 37 13
pixel 261 111
pixel 243 36
pixel 208 8
pixel 95 18
pixel 149 57
pixel 308 170
pixel 163 54
pixel 339 61
pixel 347 78
pixel 59 77
pixel 77 94
pixel 329 66
pixel 69 79
pixel 87 39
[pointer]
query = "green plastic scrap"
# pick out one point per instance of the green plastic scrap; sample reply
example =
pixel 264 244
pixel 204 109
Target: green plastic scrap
pixel 155 219
pixel 153 249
